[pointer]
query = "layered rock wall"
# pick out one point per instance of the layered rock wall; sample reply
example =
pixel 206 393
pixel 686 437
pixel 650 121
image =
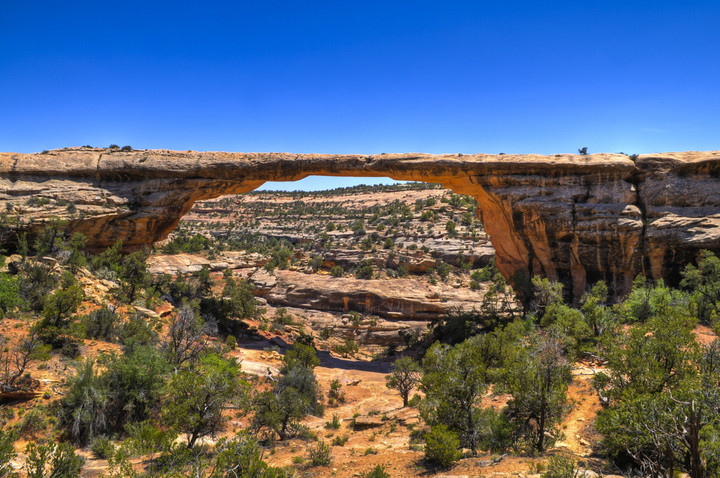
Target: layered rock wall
pixel 577 219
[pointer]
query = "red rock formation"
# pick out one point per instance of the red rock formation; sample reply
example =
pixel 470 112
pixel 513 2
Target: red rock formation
pixel 573 218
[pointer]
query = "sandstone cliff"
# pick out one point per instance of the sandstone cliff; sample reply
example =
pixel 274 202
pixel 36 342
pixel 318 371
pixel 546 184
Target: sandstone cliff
pixel 573 218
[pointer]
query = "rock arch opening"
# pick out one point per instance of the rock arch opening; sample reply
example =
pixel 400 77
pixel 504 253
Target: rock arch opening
pixel 569 217
pixel 372 263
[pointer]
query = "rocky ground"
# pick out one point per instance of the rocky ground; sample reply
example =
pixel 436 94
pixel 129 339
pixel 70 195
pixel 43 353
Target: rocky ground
pixel 422 244
pixel 371 312
pixel 425 255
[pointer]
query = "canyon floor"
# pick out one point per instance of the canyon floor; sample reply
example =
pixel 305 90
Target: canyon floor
pixel 366 272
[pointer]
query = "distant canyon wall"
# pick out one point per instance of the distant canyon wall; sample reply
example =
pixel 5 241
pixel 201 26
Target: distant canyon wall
pixel 573 218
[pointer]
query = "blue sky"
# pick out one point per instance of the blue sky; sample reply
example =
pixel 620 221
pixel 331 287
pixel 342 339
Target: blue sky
pixel 361 77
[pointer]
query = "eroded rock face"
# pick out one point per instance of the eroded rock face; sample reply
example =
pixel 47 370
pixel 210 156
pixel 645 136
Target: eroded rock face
pixel 398 299
pixel 573 218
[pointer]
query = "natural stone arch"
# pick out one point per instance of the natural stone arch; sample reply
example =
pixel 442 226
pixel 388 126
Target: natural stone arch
pixel 573 218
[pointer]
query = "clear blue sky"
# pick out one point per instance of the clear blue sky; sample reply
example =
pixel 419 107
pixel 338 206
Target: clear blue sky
pixel 361 77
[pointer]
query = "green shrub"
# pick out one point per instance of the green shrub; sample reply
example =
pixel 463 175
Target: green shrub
pixel 561 467
pixel 320 454
pixel 59 309
pixel 364 270
pixel 82 409
pixel 377 472
pixel 184 243
pixel 496 431
pixel 340 440
pixel 102 447
pixel 335 393
pixel 32 424
pixel 51 460
pixel 441 446
pixel 137 331
pixel 9 294
pixel 325 333
pixel 231 342
pixel 348 348
pixel 35 282
pixel 334 424
pixel 103 323
pixel 7 453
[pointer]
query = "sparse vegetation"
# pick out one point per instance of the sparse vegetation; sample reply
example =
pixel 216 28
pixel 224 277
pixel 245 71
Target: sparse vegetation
pixel 138 361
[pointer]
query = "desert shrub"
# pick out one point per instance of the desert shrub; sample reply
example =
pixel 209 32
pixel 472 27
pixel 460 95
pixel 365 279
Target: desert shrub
pixel 196 397
pixel 134 384
pixel 50 239
pixel 495 430
pixel 378 471
pixel 35 282
pixel 561 467
pixel 7 453
pixel 185 341
pixel 33 423
pixel 442 446
pixel 76 251
pixel 443 269
pixel 231 342
pixel 183 243
pixel 334 424
pixel 454 382
pixel 703 284
pixel 242 303
pixel 146 438
pixel 427 216
pixel 281 319
pixel 364 270
pixel 9 294
pixel 320 454
pixel 337 271
pixel 316 263
pixel 349 347
pixel 58 311
pixel 242 457
pixel 103 323
pixel 340 440
pixel 52 460
pixel 335 394
pixel 133 273
pixel 107 263
pixel 137 331
pixel 82 410
pixel 102 447
pixel 325 333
